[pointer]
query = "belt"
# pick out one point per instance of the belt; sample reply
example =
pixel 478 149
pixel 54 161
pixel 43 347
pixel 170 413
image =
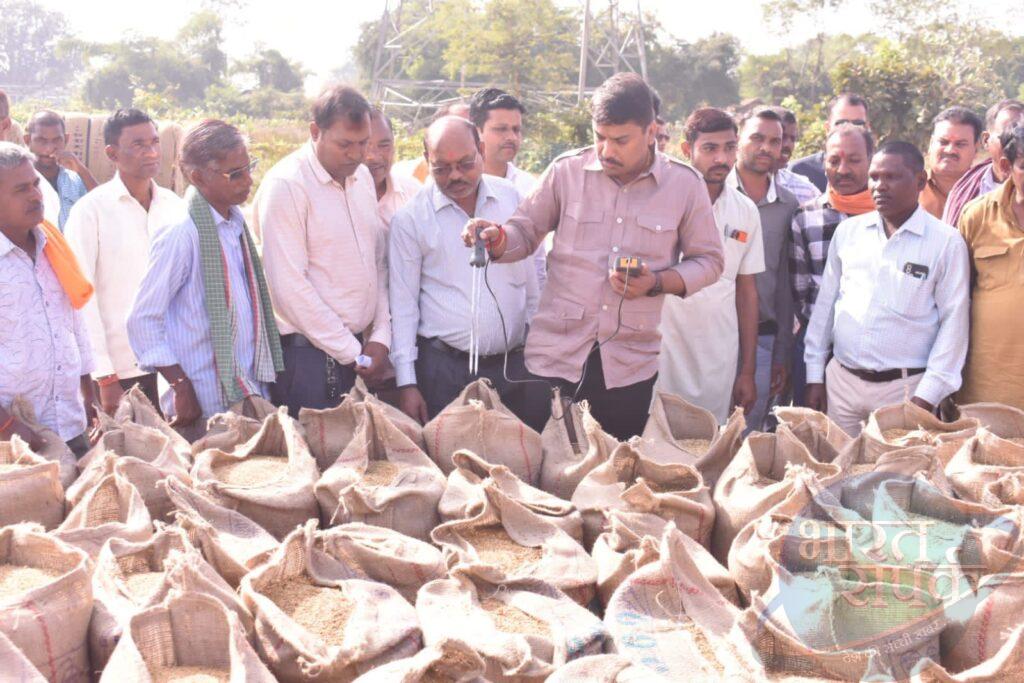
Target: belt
pixel 767 327
pixel 437 345
pixel 879 376
pixel 294 340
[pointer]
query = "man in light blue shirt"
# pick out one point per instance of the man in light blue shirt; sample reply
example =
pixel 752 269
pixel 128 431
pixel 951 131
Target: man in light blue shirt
pixel 894 302
pixel 45 136
pixel 431 284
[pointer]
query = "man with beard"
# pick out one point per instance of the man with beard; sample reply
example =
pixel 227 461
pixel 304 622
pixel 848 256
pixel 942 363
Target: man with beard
pixel 46 137
pixel 393 190
pixel 951 152
pixel 893 306
pixel 801 188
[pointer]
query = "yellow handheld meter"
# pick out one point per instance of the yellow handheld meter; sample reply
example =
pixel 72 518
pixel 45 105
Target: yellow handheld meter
pixel 628 265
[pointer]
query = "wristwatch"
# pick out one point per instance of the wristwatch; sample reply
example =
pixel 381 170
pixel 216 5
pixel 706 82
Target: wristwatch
pixel 656 290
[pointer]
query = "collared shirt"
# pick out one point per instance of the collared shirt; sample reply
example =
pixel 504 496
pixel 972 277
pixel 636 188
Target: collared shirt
pixel 814 224
pixel 525 183
pixel 399 190
pixel 44 346
pixel 70 188
pixel 774 292
pixel 169 324
pixel 431 278
pixel 110 232
pixel 896 303
pixel 812 167
pixel 324 252
pixel 799 186
pixel 932 198
pixel 659 217
pixel 700 334
pixel 995 240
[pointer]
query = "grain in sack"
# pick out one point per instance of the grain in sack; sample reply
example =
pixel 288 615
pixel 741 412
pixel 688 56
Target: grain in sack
pixel 572 444
pixel 135 407
pixel 55 449
pixel 383 555
pixel 187 637
pixel 464 494
pixel 45 602
pixel 505 541
pixel 905 424
pixel 315 622
pixel 229 541
pixel 478 421
pixel 859 458
pixel 523 629
pixel 381 478
pixel 446 661
pixel 680 432
pixel 143 456
pixel 269 479
pixel 983 465
pixel 30 488
pixel 112 508
pixel 234 427
pixel 629 481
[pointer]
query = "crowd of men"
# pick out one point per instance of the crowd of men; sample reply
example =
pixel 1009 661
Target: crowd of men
pixel 720 269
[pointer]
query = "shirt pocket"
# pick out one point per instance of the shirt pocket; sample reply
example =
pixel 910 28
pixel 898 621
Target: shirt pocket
pixel 584 227
pixel 656 239
pixel 565 315
pixel 992 264
pixel 911 297
pixel 640 330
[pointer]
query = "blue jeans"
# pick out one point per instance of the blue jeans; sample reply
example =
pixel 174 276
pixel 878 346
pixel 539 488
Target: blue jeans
pixel 763 379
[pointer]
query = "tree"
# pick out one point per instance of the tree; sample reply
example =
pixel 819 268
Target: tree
pixel 272 70
pixel 690 75
pixel 34 46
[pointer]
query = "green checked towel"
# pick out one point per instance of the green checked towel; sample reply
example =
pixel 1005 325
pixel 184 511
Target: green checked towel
pixel 268 360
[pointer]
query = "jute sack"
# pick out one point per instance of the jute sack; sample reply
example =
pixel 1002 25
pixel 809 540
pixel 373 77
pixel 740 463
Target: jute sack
pixel 384 555
pixel 240 423
pixel 44 611
pixel 269 479
pixel 15 664
pixel 30 489
pixel 982 623
pixel 572 444
pixel 1004 664
pixel 1004 421
pixel 667 617
pixel 55 449
pixel 680 432
pixel 112 508
pixel 756 480
pixel 144 456
pixel 604 669
pixel 170 175
pixel 186 634
pixel 629 481
pixel 905 424
pixel 859 458
pixel 409 426
pixel 982 464
pixel 524 629
pixel 314 622
pixel 464 494
pixel 506 541
pixel 130 577
pixel 231 542
pixel 478 421
pixel 135 407
pixel 446 660
pixel 381 478
pixel 795 417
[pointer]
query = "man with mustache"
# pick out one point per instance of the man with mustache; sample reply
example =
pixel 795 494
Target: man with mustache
pixel 44 347
pixel 760 145
pixel 704 335
pixel 393 190
pixel 848 151
pixel 846 107
pixel 954 144
pixel 799 186
pixel 431 284
pixel 325 253
pixel 893 305
pixel 11 132
pixel 46 137
pixel 110 230
pixel 595 333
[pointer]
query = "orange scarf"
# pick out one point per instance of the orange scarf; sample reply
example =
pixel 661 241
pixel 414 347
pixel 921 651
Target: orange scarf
pixel 65 266
pixel 851 204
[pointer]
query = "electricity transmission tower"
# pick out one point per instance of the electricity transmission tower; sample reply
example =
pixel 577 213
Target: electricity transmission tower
pixel 611 40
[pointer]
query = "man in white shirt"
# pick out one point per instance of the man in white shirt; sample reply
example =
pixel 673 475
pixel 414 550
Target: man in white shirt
pixel 431 284
pixel 894 302
pixel 800 187
pixel 324 255
pixel 393 190
pixel 109 230
pixel 705 336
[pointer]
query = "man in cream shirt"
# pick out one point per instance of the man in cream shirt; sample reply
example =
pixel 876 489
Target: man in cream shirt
pixel 393 190
pixel 110 230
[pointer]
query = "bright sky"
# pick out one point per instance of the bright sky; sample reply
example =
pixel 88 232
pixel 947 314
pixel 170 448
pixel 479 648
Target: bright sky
pixel 321 34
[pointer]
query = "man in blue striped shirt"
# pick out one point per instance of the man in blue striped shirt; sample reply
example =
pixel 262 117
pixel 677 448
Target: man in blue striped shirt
pixel 46 137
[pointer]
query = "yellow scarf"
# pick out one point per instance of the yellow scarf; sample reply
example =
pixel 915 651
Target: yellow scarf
pixel 65 266
pixel 851 204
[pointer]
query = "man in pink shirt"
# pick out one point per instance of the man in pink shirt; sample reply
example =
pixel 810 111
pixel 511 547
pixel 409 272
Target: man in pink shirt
pixel 596 331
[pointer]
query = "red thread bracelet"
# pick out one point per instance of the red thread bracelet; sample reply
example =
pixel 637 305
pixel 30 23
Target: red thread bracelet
pixel 7 425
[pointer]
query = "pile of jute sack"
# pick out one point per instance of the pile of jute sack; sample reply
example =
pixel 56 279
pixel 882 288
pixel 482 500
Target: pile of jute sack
pixel 354 544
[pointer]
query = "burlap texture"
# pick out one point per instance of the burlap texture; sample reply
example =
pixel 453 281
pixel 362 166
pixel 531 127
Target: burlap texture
pixel 1004 421
pixel 15 665
pixel 564 563
pixel 464 494
pixel 407 504
pixel 48 624
pixel 795 417
pixel 240 423
pixel 604 669
pixel 860 457
pixel 185 630
pixel 450 608
pixel 927 429
pixel 447 660
pixel 988 469
pixel 628 481
pixel 572 444
pixel 278 506
pixel 673 420
pixel 477 420
pixel 54 449
pixel 31 491
pixel 113 508
pixel 382 627
pixel 985 623
pixel 135 407
pixel 231 542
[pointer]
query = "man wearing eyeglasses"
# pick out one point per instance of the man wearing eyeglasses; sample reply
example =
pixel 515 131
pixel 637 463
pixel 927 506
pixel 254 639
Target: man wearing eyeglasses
pixel 324 246
pixel 110 230
pixel 846 108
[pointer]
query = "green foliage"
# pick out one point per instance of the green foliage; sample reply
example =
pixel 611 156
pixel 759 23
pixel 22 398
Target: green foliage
pixel 272 70
pixel 35 45
pixel 690 75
